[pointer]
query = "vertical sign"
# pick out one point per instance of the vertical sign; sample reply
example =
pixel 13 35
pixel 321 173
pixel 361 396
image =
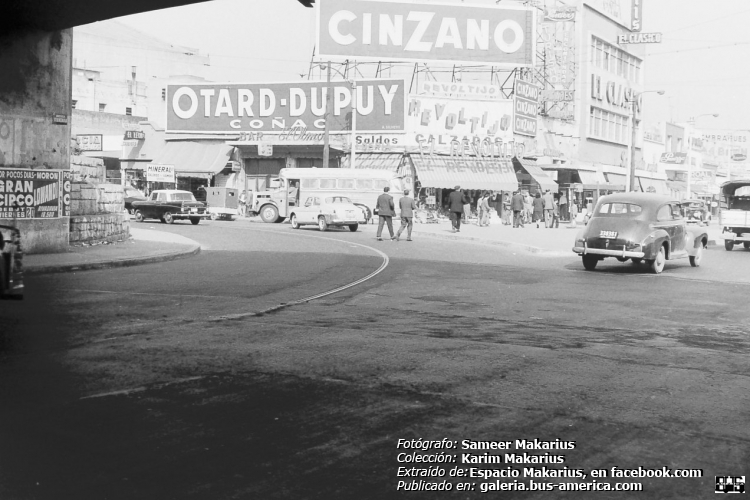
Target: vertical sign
pixel 635 21
pixel 525 108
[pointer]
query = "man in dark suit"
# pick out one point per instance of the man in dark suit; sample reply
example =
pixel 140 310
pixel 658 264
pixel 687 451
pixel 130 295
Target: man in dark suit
pixel 456 207
pixel 407 206
pixel 386 211
pixel 516 204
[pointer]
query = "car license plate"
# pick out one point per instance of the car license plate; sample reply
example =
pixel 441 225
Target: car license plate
pixel 194 210
pixel 608 234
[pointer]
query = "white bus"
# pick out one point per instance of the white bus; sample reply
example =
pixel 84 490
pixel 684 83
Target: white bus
pixel 362 186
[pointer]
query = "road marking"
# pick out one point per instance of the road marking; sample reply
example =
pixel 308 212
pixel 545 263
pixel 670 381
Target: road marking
pixel 383 265
pixel 143 388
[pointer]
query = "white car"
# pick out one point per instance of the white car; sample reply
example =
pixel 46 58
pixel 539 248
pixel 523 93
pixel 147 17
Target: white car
pixel 332 211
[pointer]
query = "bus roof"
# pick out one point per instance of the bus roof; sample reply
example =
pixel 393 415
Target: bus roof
pixel 345 173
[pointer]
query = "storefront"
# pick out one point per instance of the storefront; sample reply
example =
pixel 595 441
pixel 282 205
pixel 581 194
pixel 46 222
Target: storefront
pixel 532 178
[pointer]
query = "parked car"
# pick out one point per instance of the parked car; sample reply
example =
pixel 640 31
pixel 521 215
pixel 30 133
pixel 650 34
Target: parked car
pixel 642 227
pixel 169 205
pixel 734 216
pixel 131 194
pixel 696 212
pixel 336 211
pixel 11 263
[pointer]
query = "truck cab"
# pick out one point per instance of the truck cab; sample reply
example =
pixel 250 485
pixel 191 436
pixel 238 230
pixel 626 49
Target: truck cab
pixel 734 216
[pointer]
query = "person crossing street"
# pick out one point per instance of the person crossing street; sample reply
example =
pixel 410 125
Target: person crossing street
pixel 407 207
pixel 386 211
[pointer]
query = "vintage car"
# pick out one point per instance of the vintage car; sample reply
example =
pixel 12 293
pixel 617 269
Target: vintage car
pixel 169 205
pixel 734 217
pixel 332 211
pixel 646 228
pixel 131 194
pixel 11 263
pixel 696 212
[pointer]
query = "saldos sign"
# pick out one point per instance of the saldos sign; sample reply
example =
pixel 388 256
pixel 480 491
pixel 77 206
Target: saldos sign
pixel 389 31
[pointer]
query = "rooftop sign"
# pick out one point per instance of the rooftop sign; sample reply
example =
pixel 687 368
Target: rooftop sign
pixel 390 31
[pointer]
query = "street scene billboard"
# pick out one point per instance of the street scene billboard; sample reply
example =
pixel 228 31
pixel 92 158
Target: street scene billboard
pixel 34 194
pixel 278 107
pixel 500 36
pixel 525 108
pixel 437 124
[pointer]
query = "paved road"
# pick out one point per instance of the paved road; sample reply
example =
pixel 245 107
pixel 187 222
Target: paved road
pixel 139 379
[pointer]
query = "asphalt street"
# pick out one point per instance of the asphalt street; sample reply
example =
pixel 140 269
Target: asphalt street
pixel 180 379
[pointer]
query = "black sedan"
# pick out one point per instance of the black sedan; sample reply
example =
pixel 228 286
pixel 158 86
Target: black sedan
pixel 696 212
pixel 641 227
pixel 168 205
pixel 130 195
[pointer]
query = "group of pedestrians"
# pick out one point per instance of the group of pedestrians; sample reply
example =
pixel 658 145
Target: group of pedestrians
pixel 386 210
pixel 543 208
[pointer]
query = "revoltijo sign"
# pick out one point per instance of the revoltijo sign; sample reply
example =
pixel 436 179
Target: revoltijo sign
pixel 387 31
pixel 276 107
pixel 34 194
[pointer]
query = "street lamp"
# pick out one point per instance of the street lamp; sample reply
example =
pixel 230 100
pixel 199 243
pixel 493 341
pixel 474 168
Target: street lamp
pixel 631 170
pixel 688 192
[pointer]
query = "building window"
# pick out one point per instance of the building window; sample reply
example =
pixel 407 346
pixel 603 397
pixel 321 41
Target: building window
pixel 608 126
pixel 615 60
pixel 102 107
pixel 73 103
pixel 129 111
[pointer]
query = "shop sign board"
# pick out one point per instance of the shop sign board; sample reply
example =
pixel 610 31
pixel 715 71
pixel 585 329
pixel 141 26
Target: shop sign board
pixel 497 35
pixel 553 95
pixel 265 149
pixel 439 124
pixel 560 14
pixel 34 194
pixel 234 108
pixel 137 135
pixel 620 11
pixel 639 38
pixel 675 158
pixel 637 12
pixel 159 173
pixel 89 142
pixel 466 90
pixel 728 145
pixel 525 108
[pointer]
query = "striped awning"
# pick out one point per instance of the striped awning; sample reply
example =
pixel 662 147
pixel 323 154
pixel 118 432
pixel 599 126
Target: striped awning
pixel 471 173
pixel 374 161
pixel 540 176
pixel 194 158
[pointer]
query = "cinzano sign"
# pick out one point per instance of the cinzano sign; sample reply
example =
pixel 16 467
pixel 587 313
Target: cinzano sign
pixel 387 31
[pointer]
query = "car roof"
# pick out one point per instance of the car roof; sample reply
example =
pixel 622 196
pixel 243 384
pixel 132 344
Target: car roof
pixel 643 199
pixel 730 187
pixel 170 191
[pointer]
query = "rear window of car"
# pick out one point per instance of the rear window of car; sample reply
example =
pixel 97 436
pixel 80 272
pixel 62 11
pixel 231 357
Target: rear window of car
pixel 182 197
pixel 618 210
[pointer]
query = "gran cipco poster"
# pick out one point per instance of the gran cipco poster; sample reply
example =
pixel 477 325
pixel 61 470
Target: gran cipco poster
pixel 34 194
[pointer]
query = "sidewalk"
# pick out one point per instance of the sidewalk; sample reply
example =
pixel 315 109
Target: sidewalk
pixel 145 247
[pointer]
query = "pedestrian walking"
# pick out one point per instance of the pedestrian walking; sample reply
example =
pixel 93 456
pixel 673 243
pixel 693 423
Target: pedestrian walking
pixel 467 206
pixel 549 207
pixel 538 205
pixel 555 216
pixel 407 207
pixel 484 210
pixel 563 206
pixel 456 207
pixel 527 208
pixel 386 211
pixel 517 205
pixel 507 212
pixel 573 213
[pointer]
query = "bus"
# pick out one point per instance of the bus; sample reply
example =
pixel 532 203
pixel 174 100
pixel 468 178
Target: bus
pixel 362 186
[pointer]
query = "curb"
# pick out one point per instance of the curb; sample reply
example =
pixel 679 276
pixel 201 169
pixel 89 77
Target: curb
pixel 127 262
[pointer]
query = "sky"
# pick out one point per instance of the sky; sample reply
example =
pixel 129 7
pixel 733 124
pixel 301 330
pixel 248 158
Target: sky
pixel 703 63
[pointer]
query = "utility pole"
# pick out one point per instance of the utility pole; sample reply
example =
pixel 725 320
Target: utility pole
pixel 326 141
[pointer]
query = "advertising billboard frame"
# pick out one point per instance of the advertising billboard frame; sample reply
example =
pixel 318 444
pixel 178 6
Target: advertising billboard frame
pixel 531 39
pixel 403 93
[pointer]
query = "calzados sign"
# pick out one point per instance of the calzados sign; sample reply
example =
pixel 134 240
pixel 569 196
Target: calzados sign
pixel 276 107
pixel 34 194
pixel 386 31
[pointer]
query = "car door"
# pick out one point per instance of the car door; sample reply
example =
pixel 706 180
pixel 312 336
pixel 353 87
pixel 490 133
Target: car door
pixel 149 207
pixel 665 220
pixel 304 213
pixel 161 205
pixel 679 228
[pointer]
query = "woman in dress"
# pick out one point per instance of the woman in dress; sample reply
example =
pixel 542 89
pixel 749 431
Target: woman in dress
pixel 538 205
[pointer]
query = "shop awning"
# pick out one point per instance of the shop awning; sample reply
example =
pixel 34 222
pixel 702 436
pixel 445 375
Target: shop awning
pixel 679 186
pixel 375 161
pixel 615 182
pixel 540 176
pixel 589 178
pixel 659 185
pixel 198 159
pixel 445 172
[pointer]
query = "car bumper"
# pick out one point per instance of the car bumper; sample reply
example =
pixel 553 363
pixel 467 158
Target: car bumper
pixel 189 215
pixel 608 252
pixel 345 222
pixel 734 237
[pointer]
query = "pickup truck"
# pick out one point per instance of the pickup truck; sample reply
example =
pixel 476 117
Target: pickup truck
pixel 735 218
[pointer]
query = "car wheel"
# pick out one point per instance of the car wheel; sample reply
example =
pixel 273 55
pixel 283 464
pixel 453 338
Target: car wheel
pixel 746 244
pixel 322 224
pixel 623 259
pixel 139 216
pixel 657 265
pixel 269 214
pixel 293 221
pixel 589 262
pixel 167 218
pixel 195 220
pixel 728 245
pixel 695 260
pixel 353 227
pixel 214 216
pixel 637 261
